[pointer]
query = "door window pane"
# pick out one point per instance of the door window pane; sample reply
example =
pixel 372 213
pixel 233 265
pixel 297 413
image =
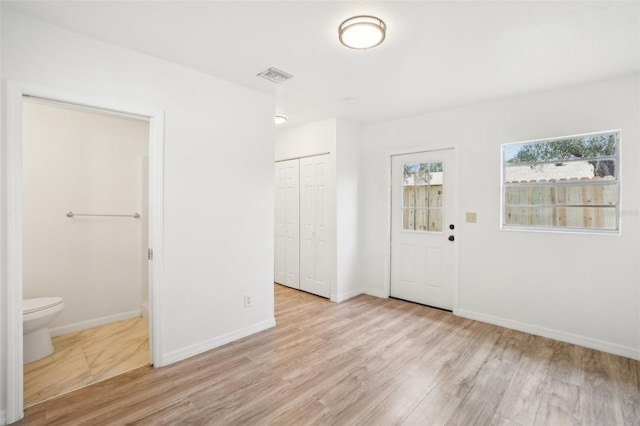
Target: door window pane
pixel 435 220
pixel 407 219
pixel 422 189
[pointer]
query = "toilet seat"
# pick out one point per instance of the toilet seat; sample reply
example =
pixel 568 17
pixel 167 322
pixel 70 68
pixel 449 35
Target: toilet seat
pixel 37 304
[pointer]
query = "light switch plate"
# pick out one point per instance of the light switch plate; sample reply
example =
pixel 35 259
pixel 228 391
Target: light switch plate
pixel 471 217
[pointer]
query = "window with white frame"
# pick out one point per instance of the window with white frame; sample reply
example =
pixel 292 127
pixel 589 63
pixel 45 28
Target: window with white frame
pixel 568 184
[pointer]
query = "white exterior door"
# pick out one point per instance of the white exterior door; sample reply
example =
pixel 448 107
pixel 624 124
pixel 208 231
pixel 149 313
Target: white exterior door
pixel 314 220
pixel 287 249
pixel 422 238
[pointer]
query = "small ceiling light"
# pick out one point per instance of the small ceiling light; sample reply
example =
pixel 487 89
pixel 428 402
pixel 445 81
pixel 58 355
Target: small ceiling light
pixel 362 32
pixel 280 118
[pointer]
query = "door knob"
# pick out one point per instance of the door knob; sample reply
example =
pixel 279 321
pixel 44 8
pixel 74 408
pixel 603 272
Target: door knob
pixel 451 226
pixel 451 238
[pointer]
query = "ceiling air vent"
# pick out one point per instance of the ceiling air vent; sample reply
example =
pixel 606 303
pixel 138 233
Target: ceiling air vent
pixel 275 75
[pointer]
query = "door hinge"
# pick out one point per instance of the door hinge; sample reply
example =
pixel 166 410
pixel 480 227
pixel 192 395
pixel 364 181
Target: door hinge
pixel 150 254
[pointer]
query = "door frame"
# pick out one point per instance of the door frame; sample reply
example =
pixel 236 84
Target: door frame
pixel 13 176
pixel 386 279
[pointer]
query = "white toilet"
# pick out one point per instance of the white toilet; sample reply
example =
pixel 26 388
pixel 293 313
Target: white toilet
pixel 37 314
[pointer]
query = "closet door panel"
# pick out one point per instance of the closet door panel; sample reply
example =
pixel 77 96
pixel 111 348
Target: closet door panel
pixel 322 233
pixel 287 237
pixel 307 224
pixel 280 253
pixel 292 224
pixel 315 264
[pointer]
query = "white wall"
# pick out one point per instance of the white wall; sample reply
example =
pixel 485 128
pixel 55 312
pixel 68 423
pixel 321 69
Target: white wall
pixel 3 256
pixel 86 162
pixel 218 237
pixel 308 139
pixel 347 213
pixel 579 288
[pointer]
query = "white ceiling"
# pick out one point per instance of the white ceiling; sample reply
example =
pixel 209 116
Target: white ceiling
pixel 436 55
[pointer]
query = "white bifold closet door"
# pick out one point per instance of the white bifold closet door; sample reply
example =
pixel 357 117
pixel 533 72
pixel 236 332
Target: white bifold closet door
pixel 314 225
pixel 287 244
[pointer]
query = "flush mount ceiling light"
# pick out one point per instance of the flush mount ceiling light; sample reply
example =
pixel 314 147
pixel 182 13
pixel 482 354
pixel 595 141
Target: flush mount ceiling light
pixel 280 118
pixel 362 32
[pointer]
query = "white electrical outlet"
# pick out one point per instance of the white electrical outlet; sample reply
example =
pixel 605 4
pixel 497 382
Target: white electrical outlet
pixel 248 300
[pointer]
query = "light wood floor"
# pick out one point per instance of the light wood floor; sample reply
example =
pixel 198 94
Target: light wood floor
pixel 87 357
pixel 367 361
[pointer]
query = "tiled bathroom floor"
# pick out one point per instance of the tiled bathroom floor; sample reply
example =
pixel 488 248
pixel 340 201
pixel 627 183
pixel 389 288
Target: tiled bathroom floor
pixel 86 357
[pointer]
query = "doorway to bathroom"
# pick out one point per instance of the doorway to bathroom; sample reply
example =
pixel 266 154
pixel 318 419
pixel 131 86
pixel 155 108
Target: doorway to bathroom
pixel 85 241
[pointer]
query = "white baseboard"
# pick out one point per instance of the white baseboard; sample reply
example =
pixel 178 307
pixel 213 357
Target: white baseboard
pixel 562 336
pixel 344 296
pixel 83 325
pixel 201 347
pixel 375 292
